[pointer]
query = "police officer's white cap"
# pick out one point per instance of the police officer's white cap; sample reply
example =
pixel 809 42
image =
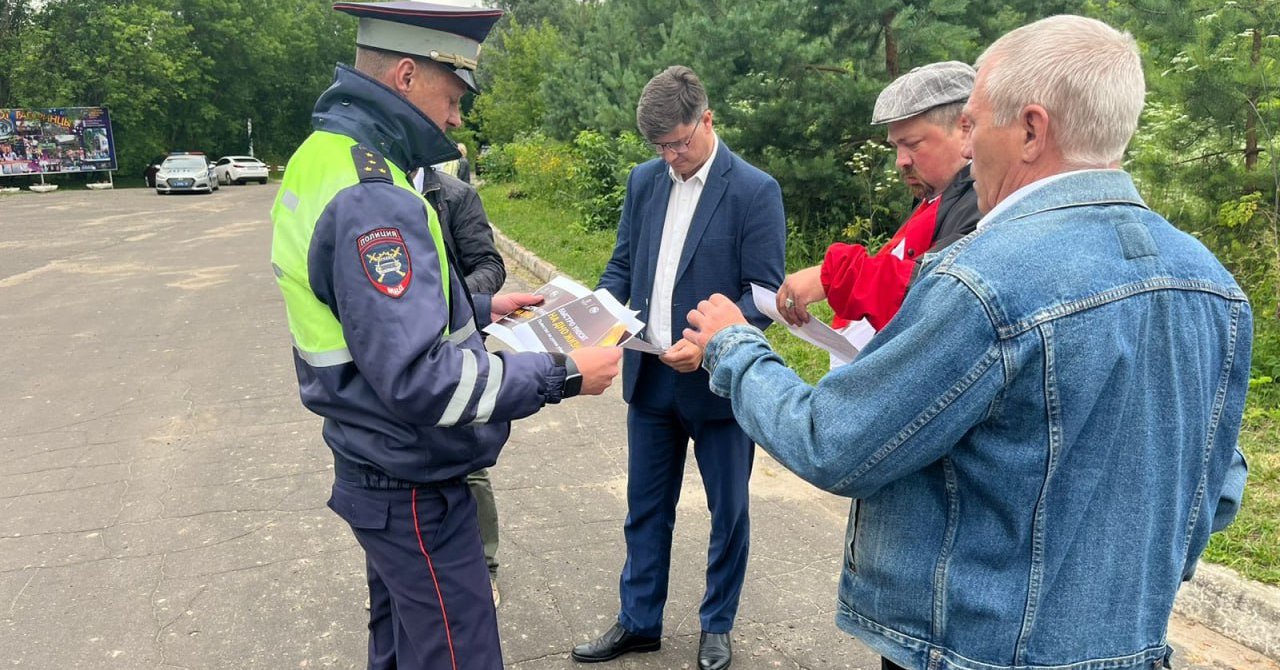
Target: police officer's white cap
pixel 922 89
pixel 450 35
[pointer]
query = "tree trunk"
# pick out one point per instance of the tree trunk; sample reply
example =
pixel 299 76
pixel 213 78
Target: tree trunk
pixel 890 44
pixel 1251 122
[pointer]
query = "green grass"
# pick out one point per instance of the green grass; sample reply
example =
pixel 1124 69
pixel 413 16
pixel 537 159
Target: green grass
pixel 553 233
pixel 1250 546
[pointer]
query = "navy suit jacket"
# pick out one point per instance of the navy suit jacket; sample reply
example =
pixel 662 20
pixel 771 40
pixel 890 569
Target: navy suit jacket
pixel 737 237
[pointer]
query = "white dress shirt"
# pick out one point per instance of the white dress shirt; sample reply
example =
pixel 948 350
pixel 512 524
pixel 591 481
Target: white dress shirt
pixel 685 194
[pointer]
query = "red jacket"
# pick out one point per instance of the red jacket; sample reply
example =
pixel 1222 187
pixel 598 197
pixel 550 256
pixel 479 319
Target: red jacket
pixel 860 285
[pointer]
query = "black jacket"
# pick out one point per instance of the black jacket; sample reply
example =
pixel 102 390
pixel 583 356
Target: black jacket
pixel 957 212
pixel 466 231
pixel 958 216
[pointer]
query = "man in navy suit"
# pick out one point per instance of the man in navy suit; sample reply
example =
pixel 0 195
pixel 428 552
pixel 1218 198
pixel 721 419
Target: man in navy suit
pixel 697 220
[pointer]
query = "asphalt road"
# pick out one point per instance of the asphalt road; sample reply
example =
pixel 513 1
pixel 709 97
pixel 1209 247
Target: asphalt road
pixel 162 491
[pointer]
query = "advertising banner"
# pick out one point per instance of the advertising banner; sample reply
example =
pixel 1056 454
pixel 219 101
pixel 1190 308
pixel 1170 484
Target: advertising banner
pixel 52 141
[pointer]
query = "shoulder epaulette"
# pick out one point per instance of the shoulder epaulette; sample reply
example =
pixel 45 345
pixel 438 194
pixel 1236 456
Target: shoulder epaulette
pixel 370 165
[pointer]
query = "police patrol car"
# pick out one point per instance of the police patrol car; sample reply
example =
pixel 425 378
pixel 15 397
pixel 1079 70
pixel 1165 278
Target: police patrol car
pixel 185 171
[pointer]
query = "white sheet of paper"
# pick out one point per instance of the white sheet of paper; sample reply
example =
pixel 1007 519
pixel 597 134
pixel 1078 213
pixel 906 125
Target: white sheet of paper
pixel 814 332
pixel 859 333
pixel 642 345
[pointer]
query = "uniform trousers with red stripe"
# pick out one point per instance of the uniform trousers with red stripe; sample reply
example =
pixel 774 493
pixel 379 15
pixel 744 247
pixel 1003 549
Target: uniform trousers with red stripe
pixel 430 603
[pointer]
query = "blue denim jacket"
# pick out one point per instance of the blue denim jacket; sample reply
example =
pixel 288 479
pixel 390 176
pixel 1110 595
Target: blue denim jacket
pixel 1042 440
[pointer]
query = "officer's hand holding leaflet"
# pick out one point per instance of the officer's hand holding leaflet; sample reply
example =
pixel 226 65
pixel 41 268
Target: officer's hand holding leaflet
pixel 598 366
pixel 568 316
pixel 506 303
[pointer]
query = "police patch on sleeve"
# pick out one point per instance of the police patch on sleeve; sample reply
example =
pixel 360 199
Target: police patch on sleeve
pixel 386 260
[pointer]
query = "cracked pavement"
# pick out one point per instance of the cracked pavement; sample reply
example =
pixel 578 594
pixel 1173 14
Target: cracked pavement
pixel 162 490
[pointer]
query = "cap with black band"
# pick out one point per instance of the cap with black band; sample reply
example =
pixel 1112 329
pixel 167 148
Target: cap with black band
pixel 446 34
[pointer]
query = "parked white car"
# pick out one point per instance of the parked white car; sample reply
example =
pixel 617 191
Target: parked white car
pixel 239 169
pixel 185 172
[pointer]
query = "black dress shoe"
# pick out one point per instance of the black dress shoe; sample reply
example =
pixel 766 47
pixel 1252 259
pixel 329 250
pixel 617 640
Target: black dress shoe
pixel 615 642
pixel 714 651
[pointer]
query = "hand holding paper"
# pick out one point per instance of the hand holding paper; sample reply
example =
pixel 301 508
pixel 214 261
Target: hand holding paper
pixel 683 356
pixel 563 316
pixel 598 365
pixel 507 303
pixel 799 290
pixel 813 331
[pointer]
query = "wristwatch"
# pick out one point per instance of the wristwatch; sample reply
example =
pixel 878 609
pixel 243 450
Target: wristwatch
pixel 572 377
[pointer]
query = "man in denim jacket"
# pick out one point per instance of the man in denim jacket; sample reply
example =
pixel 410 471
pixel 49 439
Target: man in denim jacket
pixel 1045 436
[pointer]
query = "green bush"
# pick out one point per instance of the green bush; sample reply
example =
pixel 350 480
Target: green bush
pixel 601 175
pixel 589 175
pixel 545 169
pixel 497 164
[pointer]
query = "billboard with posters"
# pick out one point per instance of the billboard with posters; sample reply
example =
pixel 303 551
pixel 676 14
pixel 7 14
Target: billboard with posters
pixel 53 141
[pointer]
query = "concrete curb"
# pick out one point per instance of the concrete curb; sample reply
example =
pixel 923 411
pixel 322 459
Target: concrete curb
pixel 1243 610
pixel 1217 598
pixel 527 259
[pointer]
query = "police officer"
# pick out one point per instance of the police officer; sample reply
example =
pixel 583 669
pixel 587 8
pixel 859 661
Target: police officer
pixel 385 334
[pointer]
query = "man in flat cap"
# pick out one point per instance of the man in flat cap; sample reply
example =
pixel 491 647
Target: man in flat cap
pixel 1044 437
pixel 922 111
pixel 385 339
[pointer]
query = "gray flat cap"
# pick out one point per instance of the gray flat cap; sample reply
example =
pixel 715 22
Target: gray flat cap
pixel 922 89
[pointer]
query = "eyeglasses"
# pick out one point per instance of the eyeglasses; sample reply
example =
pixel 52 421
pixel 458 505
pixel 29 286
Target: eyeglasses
pixel 676 147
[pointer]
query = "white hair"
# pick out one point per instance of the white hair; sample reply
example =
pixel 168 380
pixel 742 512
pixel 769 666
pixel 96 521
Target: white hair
pixel 1086 74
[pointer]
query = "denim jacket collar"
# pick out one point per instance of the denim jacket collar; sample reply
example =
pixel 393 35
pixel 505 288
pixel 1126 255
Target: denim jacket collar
pixel 369 112
pixel 1074 189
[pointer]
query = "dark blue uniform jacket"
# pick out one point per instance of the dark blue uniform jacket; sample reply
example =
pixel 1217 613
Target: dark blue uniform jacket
pixel 416 404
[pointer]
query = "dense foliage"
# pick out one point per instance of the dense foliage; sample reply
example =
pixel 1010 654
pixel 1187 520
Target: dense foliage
pixel 792 84
pixel 176 74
